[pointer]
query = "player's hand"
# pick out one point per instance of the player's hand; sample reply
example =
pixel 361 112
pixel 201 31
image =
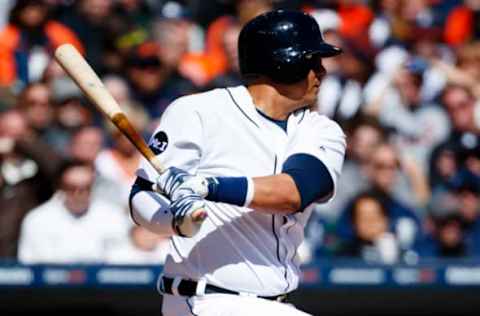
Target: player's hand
pixel 176 183
pixel 188 214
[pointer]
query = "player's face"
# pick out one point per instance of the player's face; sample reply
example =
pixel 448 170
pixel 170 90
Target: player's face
pixel 313 81
pixel 314 78
pixel 306 91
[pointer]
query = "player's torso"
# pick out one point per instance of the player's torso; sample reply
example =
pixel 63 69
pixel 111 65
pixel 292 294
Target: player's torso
pixel 240 248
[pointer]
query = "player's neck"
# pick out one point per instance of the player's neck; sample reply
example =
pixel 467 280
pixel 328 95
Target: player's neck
pixel 275 105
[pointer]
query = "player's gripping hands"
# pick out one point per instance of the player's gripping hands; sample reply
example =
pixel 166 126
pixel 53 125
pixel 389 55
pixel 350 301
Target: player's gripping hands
pixel 188 214
pixel 186 193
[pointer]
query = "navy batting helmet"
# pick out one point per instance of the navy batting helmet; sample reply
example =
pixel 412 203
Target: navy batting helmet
pixel 282 45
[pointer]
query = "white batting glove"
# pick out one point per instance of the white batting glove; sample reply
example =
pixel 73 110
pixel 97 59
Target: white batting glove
pixel 188 214
pixel 176 183
pixel 186 192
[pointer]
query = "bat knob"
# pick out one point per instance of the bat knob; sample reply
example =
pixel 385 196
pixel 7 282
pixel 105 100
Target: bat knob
pixel 191 223
pixel 198 216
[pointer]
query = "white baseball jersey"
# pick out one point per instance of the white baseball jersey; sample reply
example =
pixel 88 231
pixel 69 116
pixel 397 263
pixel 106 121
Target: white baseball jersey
pixel 221 133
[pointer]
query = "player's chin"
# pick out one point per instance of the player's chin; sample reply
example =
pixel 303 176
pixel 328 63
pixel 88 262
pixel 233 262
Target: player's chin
pixel 310 100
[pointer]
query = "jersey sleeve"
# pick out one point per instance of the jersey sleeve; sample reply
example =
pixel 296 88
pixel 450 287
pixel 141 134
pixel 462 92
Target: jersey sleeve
pixel 177 141
pixel 323 139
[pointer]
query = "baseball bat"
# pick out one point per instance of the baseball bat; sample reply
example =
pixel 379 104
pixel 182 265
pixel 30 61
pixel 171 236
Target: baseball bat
pixel 87 80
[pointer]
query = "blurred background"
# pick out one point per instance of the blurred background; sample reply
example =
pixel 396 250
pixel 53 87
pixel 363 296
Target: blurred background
pixel 403 233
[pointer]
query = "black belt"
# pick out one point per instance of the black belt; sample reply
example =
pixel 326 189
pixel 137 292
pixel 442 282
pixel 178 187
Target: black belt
pixel 189 288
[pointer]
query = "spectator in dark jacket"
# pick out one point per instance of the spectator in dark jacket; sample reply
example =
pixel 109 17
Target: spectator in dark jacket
pixel 28 42
pixel 377 228
pixel 370 222
pixel 448 240
pixel 27 166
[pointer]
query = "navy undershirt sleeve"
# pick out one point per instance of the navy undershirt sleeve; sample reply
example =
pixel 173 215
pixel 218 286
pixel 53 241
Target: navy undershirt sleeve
pixel 311 176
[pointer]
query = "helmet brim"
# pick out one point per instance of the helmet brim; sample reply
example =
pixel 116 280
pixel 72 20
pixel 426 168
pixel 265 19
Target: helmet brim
pixel 325 50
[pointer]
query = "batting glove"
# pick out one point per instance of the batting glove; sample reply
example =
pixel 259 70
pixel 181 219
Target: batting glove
pixel 176 183
pixel 188 214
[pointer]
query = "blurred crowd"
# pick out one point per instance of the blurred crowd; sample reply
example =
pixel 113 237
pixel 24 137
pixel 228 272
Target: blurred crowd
pixel 406 92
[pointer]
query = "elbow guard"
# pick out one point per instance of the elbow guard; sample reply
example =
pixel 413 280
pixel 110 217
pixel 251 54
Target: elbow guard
pixel 150 209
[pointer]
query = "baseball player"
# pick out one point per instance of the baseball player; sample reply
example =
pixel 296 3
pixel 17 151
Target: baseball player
pixel 253 158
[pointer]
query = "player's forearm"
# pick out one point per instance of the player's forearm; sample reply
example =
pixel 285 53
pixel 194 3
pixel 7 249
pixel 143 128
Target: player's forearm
pixel 276 194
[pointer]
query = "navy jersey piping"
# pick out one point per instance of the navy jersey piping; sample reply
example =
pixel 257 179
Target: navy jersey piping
pixel 295 250
pixel 238 106
pixel 303 116
pixel 190 307
pixel 284 264
pixel 175 247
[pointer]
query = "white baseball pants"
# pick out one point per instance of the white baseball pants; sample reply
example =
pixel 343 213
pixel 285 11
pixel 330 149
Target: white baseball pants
pixel 225 305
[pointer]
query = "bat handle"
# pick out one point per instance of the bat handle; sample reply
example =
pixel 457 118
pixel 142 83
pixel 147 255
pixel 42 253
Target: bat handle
pixel 156 164
pixel 124 125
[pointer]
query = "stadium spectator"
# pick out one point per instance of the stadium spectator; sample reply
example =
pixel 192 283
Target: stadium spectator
pixel 460 104
pixel 341 94
pixel 461 26
pixel 467 189
pixel 121 92
pixel 35 104
pixel 153 85
pixel 91 20
pixel 231 76
pixel 387 26
pixel 402 221
pixel 71 113
pixel 27 167
pixel 28 40
pixel 453 223
pixel 118 88
pixel 378 236
pixel 356 18
pixel 180 44
pixel 71 226
pixel 85 145
pixel 449 157
pixel 130 25
pixel 448 240
pixel 443 167
pixel 245 10
pixel 418 126
pixel 395 173
pixel 52 71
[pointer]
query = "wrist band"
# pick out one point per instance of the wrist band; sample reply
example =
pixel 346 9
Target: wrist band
pixel 231 190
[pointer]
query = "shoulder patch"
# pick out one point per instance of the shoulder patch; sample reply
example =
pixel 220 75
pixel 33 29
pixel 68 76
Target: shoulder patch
pixel 158 143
